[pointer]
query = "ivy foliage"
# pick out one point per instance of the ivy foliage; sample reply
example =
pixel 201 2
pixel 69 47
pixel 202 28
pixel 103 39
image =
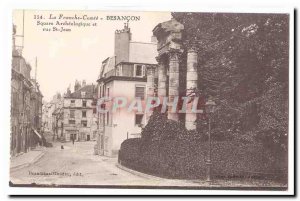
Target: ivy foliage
pixel 167 149
pixel 243 63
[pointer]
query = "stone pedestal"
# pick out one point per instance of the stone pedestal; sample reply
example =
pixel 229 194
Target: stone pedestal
pixel 191 87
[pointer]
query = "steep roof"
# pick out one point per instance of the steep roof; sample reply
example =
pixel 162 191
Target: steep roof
pixel 107 65
pixel 140 52
pixel 88 89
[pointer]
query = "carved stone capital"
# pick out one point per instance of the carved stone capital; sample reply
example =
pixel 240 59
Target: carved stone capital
pixel 175 55
pixel 161 59
pixel 151 67
pixel 192 49
pixel 151 70
pixel 158 59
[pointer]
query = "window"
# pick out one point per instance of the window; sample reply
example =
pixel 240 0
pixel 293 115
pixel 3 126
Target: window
pixel 140 92
pixel 84 123
pixel 83 94
pixel 138 119
pixel 83 113
pixel 71 121
pixel 72 113
pixel 119 71
pixel 83 103
pixel 72 102
pixel 139 70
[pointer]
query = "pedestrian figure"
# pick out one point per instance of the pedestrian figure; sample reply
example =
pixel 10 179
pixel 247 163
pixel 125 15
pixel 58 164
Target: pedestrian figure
pixel 73 139
pixel 62 144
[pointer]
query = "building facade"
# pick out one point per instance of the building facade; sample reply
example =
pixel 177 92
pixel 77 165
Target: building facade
pixel 36 102
pixel 45 116
pixel 52 116
pixel 127 69
pixel 57 114
pixel 79 113
pixel 26 105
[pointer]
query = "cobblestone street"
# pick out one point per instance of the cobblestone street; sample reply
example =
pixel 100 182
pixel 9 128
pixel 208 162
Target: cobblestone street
pixel 76 165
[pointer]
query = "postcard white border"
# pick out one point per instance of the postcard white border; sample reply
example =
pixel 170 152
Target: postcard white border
pixel 253 6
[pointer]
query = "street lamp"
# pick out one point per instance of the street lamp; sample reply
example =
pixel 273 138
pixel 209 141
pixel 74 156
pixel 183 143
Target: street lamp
pixel 210 106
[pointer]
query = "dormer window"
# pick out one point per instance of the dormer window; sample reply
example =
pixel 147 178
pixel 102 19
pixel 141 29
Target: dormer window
pixel 119 71
pixel 139 70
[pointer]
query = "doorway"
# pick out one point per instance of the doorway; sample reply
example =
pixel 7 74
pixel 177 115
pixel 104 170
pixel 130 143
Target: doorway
pixel 73 136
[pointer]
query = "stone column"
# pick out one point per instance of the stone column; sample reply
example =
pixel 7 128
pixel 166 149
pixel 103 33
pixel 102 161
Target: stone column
pixel 162 78
pixel 191 86
pixel 150 80
pixel 150 86
pixel 155 80
pixel 173 82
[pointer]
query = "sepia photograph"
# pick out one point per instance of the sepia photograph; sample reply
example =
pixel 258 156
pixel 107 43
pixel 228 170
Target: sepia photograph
pixel 150 100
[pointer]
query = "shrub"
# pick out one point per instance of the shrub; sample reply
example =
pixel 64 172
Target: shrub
pixel 168 150
pixel 129 151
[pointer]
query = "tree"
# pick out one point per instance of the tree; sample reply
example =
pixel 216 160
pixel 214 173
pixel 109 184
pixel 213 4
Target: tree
pixel 243 64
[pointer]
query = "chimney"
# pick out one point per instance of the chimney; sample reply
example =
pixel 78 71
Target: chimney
pixel 76 86
pixel 83 83
pixel 122 41
pixel 68 91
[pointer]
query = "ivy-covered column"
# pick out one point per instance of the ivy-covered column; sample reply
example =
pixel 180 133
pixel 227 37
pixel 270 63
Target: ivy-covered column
pixel 150 85
pixel 162 77
pixel 173 83
pixel 191 87
pixel 150 80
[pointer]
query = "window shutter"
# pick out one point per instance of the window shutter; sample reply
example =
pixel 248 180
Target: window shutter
pixel 140 92
pixel 144 70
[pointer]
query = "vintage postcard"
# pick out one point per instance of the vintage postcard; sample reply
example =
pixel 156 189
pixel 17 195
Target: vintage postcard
pixel 151 100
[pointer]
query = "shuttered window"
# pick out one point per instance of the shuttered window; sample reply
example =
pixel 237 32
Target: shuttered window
pixel 83 103
pixel 139 70
pixel 83 113
pixel 72 113
pixel 140 92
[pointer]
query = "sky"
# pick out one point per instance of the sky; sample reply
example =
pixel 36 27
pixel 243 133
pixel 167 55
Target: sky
pixel 63 57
